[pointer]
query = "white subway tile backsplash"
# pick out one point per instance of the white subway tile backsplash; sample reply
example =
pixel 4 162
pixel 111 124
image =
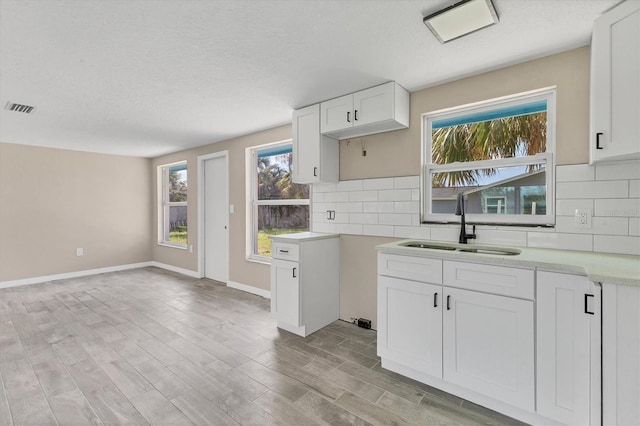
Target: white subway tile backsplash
pixel 595 189
pixel 415 195
pixel 354 229
pixel 556 240
pixel 406 207
pixel 317 197
pixel 618 170
pixel 634 226
pixel 599 225
pixel 575 173
pixel 322 207
pixel 445 233
pixel 329 228
pixel 616 244
pixel 349 207
pixel 617 207
pixel 364 218
pixel 363 196
pixel 394 219
pixel 406 182
pixel 324 187
pixel 494 236
pixel 378 230
pixel 568 207
pixel 394 195
pixel 381 183
pixel 634 188
pixel 418 232
pixel 341 217
pixel 336 197
pixel 349 185
pixel 379 207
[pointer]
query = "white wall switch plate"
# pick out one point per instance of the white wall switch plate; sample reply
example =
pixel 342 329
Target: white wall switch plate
pixel 583 218
pixel 79 252
pixel 231 208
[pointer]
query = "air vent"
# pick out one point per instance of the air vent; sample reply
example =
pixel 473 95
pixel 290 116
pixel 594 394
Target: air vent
pixel 26 109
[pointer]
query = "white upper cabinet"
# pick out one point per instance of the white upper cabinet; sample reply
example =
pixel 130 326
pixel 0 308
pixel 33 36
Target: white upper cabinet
pixel 615 84
pixel 315 157
pixel 375 110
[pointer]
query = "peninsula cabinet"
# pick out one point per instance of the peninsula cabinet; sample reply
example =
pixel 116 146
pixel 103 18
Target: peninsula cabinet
pixel 375 110
pixel 305 281
pixel 615 84
pixel 315 157
pixel 568 348
pixel 620 354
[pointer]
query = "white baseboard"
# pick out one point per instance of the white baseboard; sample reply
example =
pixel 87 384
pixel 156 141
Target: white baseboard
pixel 250 289
pixel 67 275
pixel 183 271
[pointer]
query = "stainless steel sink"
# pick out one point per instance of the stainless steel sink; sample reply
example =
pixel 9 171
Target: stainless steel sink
pixel 465 249
pixel 415 244
pixel 501 252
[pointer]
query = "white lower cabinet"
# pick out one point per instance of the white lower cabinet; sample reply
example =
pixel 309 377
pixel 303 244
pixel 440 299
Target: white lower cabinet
pixel 488 345
pixel 568 348
pixel 523 342
pixel 285 291
pixel 410 324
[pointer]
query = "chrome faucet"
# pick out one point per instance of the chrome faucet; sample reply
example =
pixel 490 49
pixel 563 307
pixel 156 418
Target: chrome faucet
pixel 463 226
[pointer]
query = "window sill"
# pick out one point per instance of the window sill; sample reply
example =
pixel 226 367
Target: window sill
pixel 259 259
pixel 175 246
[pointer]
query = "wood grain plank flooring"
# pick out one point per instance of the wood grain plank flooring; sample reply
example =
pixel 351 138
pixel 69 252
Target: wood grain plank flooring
pixel 147 346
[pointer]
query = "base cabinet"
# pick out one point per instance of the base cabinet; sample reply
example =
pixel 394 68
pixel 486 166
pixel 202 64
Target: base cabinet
pixel 568 348
pixel 620 354
pixel 488 345
pixel 285 291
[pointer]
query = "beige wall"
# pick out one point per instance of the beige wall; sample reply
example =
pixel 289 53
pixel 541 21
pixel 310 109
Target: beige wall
pixel 54 201
pixel 398 153
pixel 240 270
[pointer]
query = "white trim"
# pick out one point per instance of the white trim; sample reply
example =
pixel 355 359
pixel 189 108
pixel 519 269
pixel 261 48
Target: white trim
pixel 183 271
pixel 67 275
pixel 200 164
pixel 250 289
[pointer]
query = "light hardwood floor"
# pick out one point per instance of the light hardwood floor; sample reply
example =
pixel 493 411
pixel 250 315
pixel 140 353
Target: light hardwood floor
pixel 148 346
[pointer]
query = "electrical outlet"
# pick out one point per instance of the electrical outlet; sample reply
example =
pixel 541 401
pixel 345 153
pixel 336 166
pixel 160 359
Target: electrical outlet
pixel 583 218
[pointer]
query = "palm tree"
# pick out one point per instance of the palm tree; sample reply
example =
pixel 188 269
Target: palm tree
pixel 500 138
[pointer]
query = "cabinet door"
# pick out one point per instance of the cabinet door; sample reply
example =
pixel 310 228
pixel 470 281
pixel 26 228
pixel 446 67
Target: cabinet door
pixel 488 345
pixel 564 346
pixel 410 324
pixel 285 291
pixel 615 88
pixel 373 105
pixel 306 144
pixel 336 114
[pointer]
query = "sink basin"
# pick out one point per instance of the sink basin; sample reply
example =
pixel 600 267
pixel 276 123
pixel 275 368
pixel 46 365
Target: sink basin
pixel 462 248
pixel 427 246
pixel 501 252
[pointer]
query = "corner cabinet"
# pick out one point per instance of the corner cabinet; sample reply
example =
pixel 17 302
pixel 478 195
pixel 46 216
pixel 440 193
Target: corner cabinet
pixel 378 109
pixel 315 157
pixel 305 281
pixel 615 84
pixel 568 348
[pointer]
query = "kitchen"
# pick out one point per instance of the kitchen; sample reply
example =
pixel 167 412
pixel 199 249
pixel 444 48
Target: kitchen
pixel 393 161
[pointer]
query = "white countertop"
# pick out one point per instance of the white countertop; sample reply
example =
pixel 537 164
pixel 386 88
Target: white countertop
pixel 599 267
pixel 302 236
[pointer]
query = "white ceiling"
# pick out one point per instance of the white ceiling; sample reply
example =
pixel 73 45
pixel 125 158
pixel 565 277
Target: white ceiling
pixel 150 77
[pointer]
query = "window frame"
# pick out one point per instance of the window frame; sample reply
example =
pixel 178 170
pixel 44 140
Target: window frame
pixel 547 158
pixel 164 205
pixel 253 202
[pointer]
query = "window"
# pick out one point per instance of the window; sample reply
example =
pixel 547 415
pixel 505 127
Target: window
pixel 278 206
pixel 172 216
pixel 499 154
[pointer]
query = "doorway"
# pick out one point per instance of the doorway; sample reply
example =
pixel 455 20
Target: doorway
pixel 214 214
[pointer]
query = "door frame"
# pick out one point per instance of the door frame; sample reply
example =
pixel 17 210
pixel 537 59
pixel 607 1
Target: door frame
pixel 201 206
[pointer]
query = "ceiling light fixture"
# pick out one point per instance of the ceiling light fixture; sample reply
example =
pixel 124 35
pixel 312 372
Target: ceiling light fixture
pixel 461 19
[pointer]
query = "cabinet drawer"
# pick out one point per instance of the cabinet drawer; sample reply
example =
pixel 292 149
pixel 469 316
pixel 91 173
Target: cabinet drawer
pixel 285 251
pixel 501 280
pixel 409 267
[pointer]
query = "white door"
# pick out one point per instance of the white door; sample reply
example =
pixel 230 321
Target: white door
pixel 566 312
pixel 336 114
pixel 488 345
pixel 373 105
pixel 410 324
pixel 216 219
pixel 306 144
pixel 285 291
